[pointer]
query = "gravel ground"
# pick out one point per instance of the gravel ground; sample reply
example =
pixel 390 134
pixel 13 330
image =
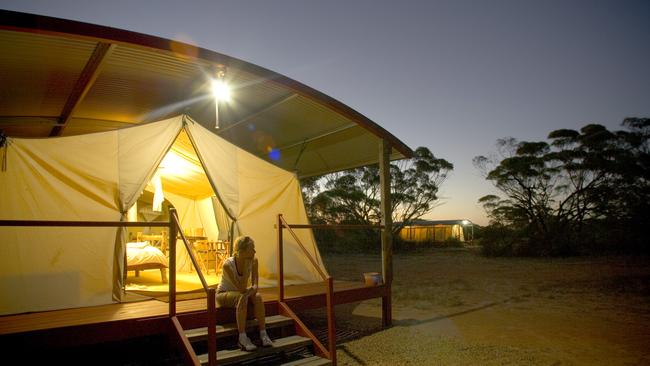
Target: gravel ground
pixel 454 307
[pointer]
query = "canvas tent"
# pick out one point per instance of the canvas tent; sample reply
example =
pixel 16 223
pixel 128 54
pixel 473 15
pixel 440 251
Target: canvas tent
pixel 427 231
pixel 98 177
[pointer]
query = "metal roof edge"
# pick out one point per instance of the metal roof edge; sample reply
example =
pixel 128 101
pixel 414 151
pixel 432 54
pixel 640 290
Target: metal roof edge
pixel 26 22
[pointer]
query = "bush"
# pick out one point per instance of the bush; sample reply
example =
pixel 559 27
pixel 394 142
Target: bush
pixel 501 241
pixel 348 241
pixel 452 242
pixel 400 245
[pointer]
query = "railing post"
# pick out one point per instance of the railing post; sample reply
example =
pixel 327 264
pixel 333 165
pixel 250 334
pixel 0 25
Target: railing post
pixel 331 320
pixel 172 262
pixel 386 233
pixel 280 260
pixel 212 327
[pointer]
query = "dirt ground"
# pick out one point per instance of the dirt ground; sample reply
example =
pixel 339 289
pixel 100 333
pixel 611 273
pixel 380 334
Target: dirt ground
pixel 455 307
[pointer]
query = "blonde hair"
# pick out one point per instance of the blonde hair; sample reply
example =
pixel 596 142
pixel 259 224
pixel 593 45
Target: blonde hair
pixel 242 243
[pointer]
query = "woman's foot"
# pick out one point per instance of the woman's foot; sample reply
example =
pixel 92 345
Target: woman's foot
pixel 266 340
pixel 245 344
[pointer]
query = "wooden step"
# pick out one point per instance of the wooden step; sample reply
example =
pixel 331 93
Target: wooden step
pixel 226 330
pixel 309 361
pixel 226 357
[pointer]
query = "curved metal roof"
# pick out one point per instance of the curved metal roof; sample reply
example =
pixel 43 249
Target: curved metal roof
pixel 62 77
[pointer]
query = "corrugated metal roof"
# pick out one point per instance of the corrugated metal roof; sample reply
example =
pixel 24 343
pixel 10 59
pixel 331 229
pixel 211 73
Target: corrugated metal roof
pixel 47 63
pixel 37 72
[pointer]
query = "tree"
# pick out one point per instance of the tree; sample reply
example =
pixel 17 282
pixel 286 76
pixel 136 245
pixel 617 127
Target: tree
pixel 528 180
pixel 353 196
pixel 415 185
pixel 553 191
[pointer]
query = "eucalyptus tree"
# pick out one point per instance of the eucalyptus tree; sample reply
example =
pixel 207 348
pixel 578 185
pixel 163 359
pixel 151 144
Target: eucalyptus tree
pixel 353 196
pixel 552 191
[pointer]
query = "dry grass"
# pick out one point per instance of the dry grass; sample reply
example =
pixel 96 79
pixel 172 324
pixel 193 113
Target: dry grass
pixel 454 307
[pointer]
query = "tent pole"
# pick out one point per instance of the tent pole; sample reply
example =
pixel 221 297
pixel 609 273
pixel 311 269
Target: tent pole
pixel 386 233
pixel 172 262
pixel 280 260
pixel 472 241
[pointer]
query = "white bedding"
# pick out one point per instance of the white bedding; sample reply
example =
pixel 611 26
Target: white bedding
pixel 138 254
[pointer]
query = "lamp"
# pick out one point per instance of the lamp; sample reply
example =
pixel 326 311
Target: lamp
pixel 220 91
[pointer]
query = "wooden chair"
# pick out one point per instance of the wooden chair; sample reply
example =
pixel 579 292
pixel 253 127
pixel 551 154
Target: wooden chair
pixel 207 251
pixel 203 250
pixel 222 252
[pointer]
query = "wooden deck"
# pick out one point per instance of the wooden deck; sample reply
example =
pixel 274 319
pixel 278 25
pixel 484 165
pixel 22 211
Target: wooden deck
pixel 133 319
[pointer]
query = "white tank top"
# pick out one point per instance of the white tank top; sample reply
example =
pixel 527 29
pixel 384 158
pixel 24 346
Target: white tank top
pixel 230 284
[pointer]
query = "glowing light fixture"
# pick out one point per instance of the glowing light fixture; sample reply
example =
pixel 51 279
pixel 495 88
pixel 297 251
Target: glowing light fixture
pixel 465 222
pixel 220 91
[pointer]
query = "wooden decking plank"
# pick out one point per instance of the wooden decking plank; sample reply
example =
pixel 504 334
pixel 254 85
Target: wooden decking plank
pixel 230 329
pixel 309 361
pixel 237 355
pixel 19 323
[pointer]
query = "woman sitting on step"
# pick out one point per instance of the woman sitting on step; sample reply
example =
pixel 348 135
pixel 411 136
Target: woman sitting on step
pixel 234 292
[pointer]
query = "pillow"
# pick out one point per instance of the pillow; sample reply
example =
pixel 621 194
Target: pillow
pixel 137 244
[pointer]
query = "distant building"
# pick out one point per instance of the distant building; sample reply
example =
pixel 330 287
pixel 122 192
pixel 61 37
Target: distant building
pixel 435 231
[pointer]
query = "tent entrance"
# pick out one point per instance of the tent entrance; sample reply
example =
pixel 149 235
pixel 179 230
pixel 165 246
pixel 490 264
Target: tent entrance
pixel 98 177
pixel 180 182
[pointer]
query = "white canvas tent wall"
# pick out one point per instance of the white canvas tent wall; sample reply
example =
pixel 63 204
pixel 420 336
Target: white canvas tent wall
pixel 98 177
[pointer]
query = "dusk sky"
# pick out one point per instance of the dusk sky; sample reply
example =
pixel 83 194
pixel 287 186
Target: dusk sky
pixel 453 76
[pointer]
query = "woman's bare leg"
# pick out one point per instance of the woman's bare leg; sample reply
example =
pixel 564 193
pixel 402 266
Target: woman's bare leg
pixel 242 308
pixel 259 311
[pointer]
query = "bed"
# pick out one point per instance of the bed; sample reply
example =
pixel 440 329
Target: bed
pixel 141 256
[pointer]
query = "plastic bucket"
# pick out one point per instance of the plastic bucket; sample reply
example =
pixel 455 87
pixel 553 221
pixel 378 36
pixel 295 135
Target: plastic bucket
pixel 372 278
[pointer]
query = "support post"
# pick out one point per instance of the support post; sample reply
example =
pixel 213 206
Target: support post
pixel 212 327
pixel 472 241
pixel 331 320
pixel 386 233
pixel 280 260
pixel 172 262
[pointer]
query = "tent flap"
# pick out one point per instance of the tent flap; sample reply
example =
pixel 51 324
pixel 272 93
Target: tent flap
pixel 255 192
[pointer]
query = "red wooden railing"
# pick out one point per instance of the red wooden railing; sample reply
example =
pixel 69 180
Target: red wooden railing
pixel 174 227
pixel 301 329
pixel 210 293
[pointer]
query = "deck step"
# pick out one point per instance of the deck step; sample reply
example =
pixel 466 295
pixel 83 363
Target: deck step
pixel 227 330
pixel 309 361
pixel 226 357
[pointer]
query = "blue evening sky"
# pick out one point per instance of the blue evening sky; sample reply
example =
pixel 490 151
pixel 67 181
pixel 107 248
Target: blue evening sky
pixel 450 75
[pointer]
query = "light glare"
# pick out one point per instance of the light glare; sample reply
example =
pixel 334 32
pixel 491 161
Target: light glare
pixel 220 90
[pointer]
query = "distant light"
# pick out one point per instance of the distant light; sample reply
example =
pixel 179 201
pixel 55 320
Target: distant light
pixel 465 222
pixel 274 154
pixel 220 90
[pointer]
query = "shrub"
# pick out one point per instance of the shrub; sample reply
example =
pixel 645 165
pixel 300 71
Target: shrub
pixel 498 241
pixel 452 242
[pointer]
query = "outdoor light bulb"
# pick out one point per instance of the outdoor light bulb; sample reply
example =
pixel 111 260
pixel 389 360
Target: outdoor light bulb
pixel 465 222
pixel 220 90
